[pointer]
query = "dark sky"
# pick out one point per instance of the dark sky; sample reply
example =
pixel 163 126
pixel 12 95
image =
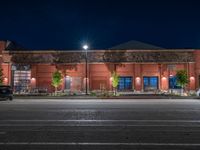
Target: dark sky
pixel 64 24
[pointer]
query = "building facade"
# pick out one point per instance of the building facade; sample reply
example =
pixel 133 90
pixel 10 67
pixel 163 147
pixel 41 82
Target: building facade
pixel 139 70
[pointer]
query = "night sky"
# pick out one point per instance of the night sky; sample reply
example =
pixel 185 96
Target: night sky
pixel 63 24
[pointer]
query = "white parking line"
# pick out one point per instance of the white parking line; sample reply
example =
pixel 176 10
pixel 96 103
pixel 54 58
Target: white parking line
pixel 130 123
pixel 113 125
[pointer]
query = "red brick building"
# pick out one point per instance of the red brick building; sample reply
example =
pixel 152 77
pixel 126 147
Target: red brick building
pixel 141 67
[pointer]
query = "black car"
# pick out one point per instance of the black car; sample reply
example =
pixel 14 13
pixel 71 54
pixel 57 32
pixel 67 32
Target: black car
pixel 6 92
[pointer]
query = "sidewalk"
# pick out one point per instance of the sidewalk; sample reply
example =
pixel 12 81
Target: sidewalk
pixel 117 97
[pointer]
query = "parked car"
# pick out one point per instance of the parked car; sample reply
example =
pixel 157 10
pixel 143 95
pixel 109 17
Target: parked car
pixel 6 92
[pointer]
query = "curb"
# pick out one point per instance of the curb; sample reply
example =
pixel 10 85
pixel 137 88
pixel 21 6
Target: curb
pixel 90 98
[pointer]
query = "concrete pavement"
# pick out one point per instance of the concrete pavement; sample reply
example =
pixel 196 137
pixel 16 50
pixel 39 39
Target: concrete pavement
pixel 100 124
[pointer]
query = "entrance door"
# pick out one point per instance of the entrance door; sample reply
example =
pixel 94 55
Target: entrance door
pixel 125 84
pixel 150 83
pixel 22 80
pixel 68 83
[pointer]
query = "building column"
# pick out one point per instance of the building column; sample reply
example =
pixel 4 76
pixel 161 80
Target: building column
pixel 160 76
pixel 164 77
pixel 192 79
pixel 138 77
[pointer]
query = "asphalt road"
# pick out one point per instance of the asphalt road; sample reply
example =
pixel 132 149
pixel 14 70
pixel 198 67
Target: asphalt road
pixel 100 124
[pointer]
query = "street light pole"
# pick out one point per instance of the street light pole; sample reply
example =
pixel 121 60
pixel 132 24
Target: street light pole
pixel 85 47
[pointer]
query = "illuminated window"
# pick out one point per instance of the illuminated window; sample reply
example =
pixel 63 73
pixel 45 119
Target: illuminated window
pixel 22 80
pixel 173 83
pixel 150 83
pixel 125 83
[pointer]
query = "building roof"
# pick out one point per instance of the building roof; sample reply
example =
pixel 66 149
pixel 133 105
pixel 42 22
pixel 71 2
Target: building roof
pixel 14 47
pixel 135 45
pixel 121 56
pixel 132 51
pixel 11 45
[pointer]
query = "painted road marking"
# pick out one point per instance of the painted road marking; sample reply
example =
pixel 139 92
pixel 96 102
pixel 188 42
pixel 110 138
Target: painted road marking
pixel 192 121
pixel 134 123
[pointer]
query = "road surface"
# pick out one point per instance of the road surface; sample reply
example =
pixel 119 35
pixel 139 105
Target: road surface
pixel 100 124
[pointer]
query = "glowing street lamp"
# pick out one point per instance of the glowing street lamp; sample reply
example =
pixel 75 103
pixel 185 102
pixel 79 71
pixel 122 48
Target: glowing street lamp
pixel 85 47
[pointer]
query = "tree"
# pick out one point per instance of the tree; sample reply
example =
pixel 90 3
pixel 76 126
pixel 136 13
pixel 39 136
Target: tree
pixel 182 79
pixel 115 81
pixel 56 79
pixel 1 76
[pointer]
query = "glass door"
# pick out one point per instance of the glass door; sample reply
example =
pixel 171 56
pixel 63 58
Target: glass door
pixel 22 81
pixel 125 83
pixel 68 83
pixel 150 83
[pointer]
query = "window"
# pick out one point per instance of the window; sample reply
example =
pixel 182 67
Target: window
pixel 150 83
pixel 125 83
pixel 173 83
pixel 22 80
pixel 21 77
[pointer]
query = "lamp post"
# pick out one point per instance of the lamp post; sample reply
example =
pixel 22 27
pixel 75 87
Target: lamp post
pixel 85 47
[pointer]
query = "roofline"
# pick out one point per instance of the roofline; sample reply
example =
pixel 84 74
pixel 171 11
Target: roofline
pixel 79 51
pixel 181 62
